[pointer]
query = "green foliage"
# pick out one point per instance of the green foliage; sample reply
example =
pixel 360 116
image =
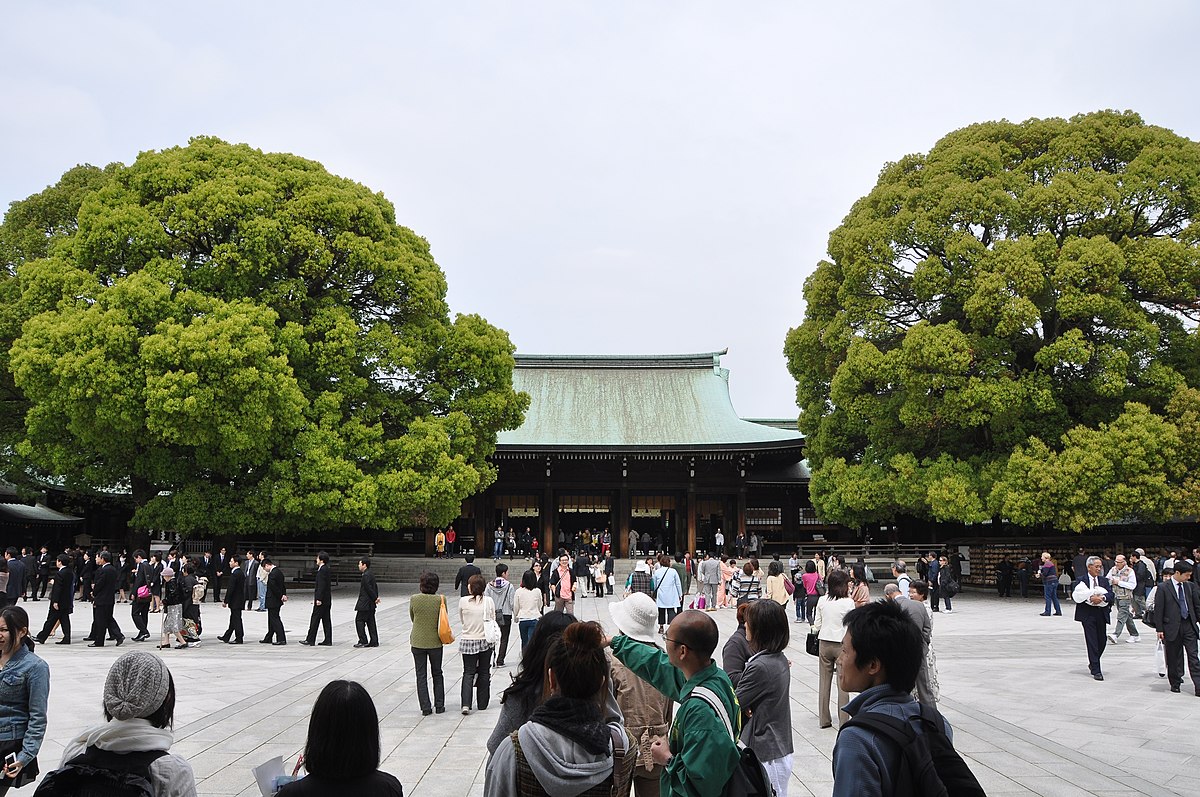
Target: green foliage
pixel 1003 327
pixel 250 344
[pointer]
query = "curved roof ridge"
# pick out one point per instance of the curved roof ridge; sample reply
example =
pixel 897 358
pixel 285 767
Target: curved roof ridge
pixel 708 359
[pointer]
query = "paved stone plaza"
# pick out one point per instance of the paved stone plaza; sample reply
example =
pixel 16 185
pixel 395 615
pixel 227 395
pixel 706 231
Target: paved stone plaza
pixel 1015 686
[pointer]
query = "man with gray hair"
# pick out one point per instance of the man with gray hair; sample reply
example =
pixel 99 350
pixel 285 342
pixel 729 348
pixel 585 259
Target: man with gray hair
pixel 900 573
pixel 1124 583
pixel 710 577
pixel 913 604
pixel 1093 598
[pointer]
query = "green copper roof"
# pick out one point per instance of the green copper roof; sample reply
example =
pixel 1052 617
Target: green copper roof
pixel 677 401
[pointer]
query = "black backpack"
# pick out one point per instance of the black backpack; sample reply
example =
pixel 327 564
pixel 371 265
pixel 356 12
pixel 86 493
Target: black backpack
pixel 102 773
pixel 749 779
pixel 929 764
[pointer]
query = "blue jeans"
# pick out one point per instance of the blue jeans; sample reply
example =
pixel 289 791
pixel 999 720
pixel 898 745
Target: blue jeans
pixel 262 595
pixel 526 629
pixel 1050 591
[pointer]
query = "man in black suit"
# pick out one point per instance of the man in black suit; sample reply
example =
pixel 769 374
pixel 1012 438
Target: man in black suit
pixel 62 603
pixel 276 597
pixel 1093 598
pixel 322 596
pixel 29 559
pixel 235 601
pixel 464 575
pixel 16 576
pixel 206 568
pixel 220 564
pixel 1175 614
pixel 139 609
pixel 364 609
pixel 104 598
pixel 41 577
pixel 251 574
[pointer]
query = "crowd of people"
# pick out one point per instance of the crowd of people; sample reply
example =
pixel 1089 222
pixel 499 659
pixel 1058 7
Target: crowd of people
pixel 650 710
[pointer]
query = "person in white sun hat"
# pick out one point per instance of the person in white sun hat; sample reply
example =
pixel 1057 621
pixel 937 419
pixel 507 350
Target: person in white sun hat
pixel 646 710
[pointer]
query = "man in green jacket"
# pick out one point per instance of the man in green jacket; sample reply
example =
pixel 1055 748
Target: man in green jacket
pixel 699 755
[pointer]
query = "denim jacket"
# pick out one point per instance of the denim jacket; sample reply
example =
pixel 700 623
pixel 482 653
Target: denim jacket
pixel 24 689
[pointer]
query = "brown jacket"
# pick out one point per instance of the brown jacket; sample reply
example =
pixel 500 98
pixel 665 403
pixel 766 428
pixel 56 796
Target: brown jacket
pixel 647 714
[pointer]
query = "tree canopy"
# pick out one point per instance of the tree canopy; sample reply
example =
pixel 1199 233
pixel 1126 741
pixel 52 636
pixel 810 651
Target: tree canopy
pixel 1006 327
pixel 247 343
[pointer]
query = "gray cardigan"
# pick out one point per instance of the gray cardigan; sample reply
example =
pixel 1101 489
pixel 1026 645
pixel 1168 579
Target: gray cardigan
pixel 763 691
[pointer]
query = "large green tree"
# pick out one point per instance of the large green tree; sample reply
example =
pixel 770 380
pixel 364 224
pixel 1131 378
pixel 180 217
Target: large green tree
pixel 246 342
pixel 1006 327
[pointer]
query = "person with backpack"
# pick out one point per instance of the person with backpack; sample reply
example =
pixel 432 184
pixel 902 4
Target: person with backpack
pixel 891 745
pixel 131 750
pixel 24 690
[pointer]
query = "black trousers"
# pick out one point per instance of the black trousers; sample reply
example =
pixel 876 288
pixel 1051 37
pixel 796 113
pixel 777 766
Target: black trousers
pixel 104 624
pixel 235 630
pixel 1095 637
pixel 215 585
pixel 320 614
pixel 505 623
pixel 477 673
pixel 140 612
pixel 1183 645
pixel 52 617
pixel 275 626
pixel 364 624
pixel 40 582
pixel 432 657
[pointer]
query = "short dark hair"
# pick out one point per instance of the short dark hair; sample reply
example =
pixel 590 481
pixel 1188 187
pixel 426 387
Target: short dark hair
pixel 882 631
pixel 429 582
pixel 323 556
pixel 470 558
pixel 266 560
pixel 921 587
pixel 775 568
pixel 501 569
pixel 11 551
pixel 1182 566
pixel 63 559
pixel 810 566
pixel 343 733
pixel 529 580
pixel 476 585
pixel 139 554
pixel 364 560
pixel 104 556
pixel 767 627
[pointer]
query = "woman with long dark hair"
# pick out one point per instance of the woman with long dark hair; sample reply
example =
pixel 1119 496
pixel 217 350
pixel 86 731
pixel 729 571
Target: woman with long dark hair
pixel 527 606
pixel 832 609
pixel 568 745
pixel 341 752
pixel 23 693
pixel 525 693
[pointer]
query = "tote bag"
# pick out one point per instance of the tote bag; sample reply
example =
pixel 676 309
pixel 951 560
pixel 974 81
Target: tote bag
pixel 444 632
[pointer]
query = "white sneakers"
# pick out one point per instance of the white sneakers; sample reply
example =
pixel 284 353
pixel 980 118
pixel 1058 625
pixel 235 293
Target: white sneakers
pixel 1133 639
pixel 466 710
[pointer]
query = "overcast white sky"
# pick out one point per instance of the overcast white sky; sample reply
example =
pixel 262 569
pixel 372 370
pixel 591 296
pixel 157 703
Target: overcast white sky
pixel 594 177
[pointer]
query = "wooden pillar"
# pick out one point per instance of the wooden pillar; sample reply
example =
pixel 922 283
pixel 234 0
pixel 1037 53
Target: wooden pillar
pixel 624 510
pixel 547 520
pixel 481 505
pixel 741 512
pixel 689 498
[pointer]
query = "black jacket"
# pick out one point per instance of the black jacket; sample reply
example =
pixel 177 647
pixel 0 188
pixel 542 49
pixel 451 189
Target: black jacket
pixel 464 575
pixel 62 591
pixel 323 591
pixel 104 586
pixel 368 592
pixel 16 579
pixel 1166 615
pixel 276 588
pixel 235 596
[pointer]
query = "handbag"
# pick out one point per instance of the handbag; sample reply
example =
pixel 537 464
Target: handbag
pixel 143 593
pixel 812 645
pixel 491 632
pixel 789 586
pixel 444 632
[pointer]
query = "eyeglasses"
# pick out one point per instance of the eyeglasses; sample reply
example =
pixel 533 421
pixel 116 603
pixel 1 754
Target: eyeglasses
pixel 674 641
